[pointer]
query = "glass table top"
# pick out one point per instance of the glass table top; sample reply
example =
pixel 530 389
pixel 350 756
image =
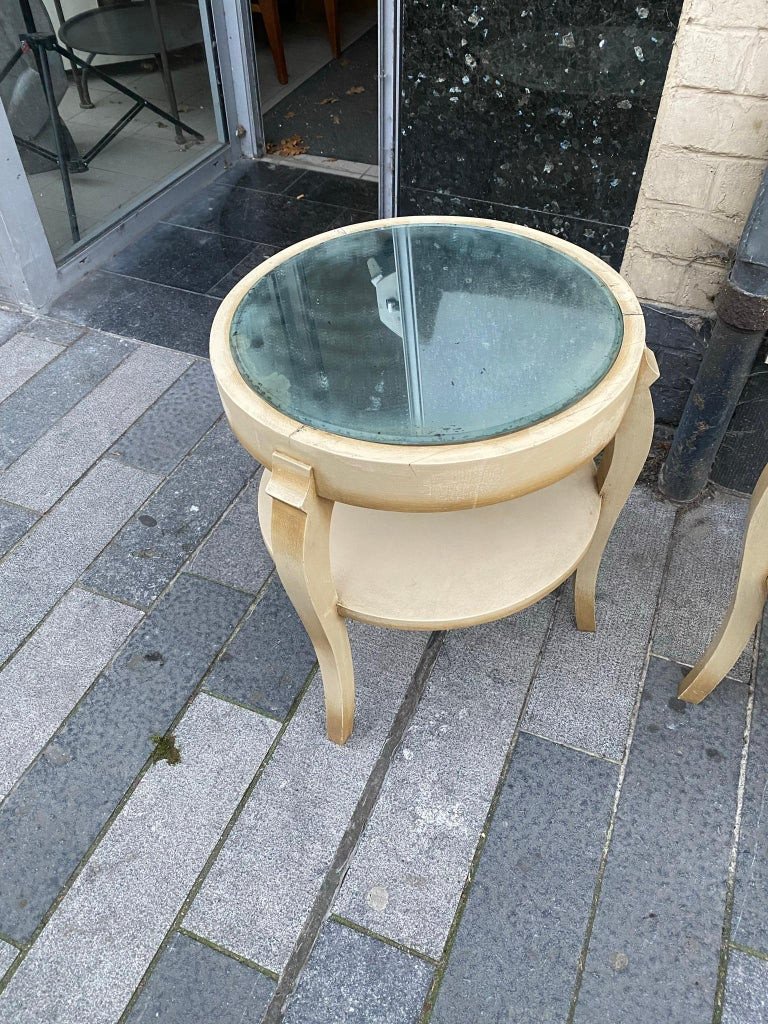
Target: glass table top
pixel 426 334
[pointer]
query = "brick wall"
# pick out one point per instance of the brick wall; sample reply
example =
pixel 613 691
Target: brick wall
pixel 708 152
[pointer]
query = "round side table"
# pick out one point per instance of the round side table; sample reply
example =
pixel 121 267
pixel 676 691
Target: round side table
pixel 428 395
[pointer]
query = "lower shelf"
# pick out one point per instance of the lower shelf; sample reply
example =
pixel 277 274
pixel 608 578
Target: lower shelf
pixel 440 570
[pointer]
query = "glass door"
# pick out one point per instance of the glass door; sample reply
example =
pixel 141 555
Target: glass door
pixel 109 102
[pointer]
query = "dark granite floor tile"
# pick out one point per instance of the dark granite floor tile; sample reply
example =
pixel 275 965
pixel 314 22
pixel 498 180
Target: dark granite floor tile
pixel 255 257
pixel 354 217
pixel 749 925
pixel 32 410
pixel 58 332
pixel 155 543
pixel 746 990
pixel 517 948
pixel 262 175
pixel 180 257
pixel 141 309
pixel 169 428
pixel 677 369
pixel 744 451
pixel 274 219
pixel 269 660
pixel 655 946
pixel 14 523
pixel 194 984
pixel 357 979
pixel 337 190
pixel 607 241
pixel 55 812
pixel 673 329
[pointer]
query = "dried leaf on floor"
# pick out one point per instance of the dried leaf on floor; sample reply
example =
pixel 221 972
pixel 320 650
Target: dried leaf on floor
pixel 355 90
pixel 289 114
pixel 294 145
pixel 335 119
pixel 329 99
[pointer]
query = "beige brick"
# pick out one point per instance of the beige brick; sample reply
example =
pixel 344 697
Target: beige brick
pixel 753 80
pixel 685 234
pixel 652 277
pixel 679 177
pixel 726 13
pixel 735 186
pixel 710 58
pixel 699 285
pixel 716 123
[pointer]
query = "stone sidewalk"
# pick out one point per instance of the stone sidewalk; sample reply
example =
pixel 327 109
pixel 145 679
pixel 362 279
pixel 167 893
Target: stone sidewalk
pixel 526 825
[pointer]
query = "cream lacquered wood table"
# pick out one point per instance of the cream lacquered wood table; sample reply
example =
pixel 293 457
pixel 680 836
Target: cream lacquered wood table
pixel 428 395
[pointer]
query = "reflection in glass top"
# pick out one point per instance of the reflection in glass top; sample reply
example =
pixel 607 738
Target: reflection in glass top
pixel 426 334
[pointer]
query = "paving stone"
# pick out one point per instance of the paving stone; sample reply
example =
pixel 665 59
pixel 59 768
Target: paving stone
pixel 269 660
pixel 259 891
pixel 194 984
pixel 61 456
pixel 517 947
pixel 50 673
pixel 8 954
pixel 93 952
pixel 585 689
pixel 356 979
pixel 20 358
pixel 655 945
pixel 56 810
pixel 59 332
pixel 178 419
pixel 48 560
pixel 704 564
pixel 749 923
pixel 14 523
pixel 235 552
pixel 746 990
pixel 410 867
pixel 13 320
pixel 35 407
pixel 150 549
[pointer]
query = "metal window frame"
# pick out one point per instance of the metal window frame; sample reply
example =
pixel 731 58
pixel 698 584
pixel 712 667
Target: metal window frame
pixel 29 274
pixel 390 35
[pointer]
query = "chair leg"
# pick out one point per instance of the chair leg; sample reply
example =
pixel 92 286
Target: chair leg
pixel 271 15
pixel 746 606
pixel 334 28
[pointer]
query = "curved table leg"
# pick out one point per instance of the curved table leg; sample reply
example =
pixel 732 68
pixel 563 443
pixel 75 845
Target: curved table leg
pixel 617 473
pixel 301 524
pixel 746 606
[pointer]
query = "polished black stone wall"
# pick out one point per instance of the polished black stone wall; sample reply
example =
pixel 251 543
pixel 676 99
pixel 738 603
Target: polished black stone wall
pixel 533 111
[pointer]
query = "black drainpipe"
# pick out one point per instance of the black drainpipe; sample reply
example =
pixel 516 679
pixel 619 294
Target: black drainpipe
pixel 742 320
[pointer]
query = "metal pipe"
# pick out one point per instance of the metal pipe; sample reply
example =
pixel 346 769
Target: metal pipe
pixel 742 320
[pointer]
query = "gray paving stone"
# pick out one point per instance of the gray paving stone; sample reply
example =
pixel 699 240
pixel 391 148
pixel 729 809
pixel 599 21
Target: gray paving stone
pixel 704 564
pixel 150 549
pixel 93 952
pixel 48 560
pixel 410 867
pixel 57 808
pixel 585 689
pixel 269 660
pixel 746 990
pixel 749 923
pixel 11 321
pixel 194 984
pixel 517 948
pixel 8 954
pixel 59 332
pixel 178 419
pixel 50 673
pixel 259 891
pixel 235 551
pixel 655 945
pixel 20 358
pixel 53 463
pixel 14 523
pixel 356 979
pixel 36 406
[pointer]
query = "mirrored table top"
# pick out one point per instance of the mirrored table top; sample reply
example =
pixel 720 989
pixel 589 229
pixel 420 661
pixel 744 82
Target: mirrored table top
pixel 429 333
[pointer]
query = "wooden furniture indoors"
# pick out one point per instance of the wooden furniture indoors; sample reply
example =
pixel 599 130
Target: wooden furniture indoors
pixel 746 606
pixel 427 395
pixel 269 11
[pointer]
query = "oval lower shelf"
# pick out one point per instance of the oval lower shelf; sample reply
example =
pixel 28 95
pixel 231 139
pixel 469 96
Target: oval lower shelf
pixel 441 570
